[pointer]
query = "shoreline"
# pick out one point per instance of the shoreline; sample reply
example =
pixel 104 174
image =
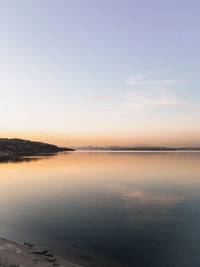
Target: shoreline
pixel 13 254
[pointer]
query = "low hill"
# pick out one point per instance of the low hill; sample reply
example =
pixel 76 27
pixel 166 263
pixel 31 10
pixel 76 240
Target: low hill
pixel 11 146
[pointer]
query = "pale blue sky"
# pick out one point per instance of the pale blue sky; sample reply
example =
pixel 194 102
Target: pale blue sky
pixel 93 70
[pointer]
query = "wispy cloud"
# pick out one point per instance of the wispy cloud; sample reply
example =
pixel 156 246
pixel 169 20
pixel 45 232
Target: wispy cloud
pixel 145 93
pixel 133 105
pixel 152 98
pixel 141 80
pixel 96 99
pixel 146 96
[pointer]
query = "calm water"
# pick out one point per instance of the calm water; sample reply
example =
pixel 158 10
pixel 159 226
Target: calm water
pixel 106 209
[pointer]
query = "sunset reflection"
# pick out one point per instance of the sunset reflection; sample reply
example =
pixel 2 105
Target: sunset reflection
pixel 88 200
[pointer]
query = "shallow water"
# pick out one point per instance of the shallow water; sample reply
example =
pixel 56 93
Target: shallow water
pixel 106 208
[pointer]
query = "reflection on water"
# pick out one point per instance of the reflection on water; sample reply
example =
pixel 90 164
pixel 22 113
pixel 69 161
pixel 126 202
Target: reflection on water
pixel 106 209
pixel 23 158
pixel 16 159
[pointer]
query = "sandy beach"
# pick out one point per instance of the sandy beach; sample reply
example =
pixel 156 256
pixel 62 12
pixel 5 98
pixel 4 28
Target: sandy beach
pixel 13 254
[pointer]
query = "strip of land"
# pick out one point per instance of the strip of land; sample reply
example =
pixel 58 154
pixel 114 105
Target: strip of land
pixel 139 148
pixel 20 146
pixel 13 254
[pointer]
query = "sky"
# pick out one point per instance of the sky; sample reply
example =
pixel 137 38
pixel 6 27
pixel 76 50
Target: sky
pixel 101 72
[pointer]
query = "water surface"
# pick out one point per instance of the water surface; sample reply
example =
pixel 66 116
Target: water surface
pixel 106 208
